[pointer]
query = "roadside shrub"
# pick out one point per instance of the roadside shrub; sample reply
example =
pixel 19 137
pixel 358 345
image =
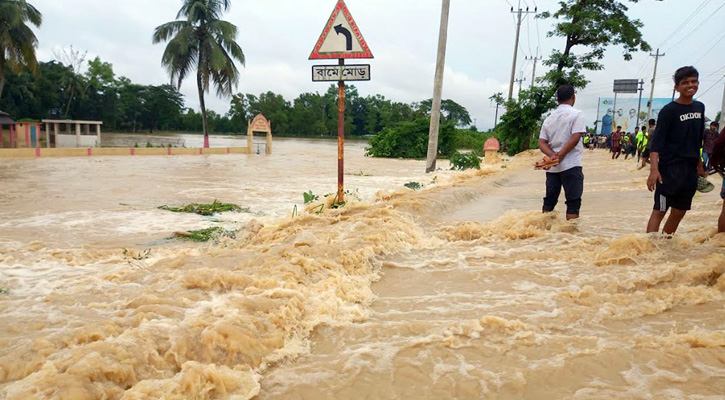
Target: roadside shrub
pixel 461 161
pixel 410 140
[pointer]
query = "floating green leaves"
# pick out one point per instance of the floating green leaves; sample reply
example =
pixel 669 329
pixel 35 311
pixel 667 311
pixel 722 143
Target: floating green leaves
pixel 413 185
pixel 205 235
pixel 206 209
pixel 309 197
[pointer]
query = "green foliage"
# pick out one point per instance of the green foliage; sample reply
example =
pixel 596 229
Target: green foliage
pixel 206 209
pixel 519 126
pixel 202 43
pixel 417 185
pixel 17 40
pixel 450 112
pixel 4 291
pixel 309 197
pixel 413 185
pixel 410 140
pixel 148 144
pixel 470 140
pixel 594 25
pixel 461 161
pixel 205 235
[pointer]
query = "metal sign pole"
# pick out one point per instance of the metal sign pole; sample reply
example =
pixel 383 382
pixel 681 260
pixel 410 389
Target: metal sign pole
pixel 341 137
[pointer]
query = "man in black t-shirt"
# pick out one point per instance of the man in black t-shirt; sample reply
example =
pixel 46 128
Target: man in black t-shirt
pixel 675 153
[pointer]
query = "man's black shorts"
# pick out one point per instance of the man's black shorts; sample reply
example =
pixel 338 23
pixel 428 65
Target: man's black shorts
pixel 678 187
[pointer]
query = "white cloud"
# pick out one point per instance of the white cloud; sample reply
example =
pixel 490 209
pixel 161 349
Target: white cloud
pixel 278 35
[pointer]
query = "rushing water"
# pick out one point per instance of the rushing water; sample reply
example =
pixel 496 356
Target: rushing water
pixel 461 290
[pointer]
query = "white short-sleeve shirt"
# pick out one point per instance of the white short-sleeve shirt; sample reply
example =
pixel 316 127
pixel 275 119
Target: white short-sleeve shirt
pixel 558 128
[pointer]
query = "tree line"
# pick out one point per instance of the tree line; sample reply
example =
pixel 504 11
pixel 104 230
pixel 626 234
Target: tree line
pixel 63 91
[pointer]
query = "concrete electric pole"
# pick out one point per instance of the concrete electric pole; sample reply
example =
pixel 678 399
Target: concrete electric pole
pixel 520 81
pixel 533 73
pixel 652 90
pixel 516 44
pixel 435 111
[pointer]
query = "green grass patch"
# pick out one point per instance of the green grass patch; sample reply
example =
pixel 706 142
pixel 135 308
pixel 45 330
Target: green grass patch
pixel 205 235
pixel 206 209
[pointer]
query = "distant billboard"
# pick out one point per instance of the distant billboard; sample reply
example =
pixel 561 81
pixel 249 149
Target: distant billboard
pixel 626 113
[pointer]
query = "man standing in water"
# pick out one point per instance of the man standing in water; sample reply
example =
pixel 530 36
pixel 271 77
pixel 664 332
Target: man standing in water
pixel 717 161
pixel 710 137
pixel 675 154
pixel 560 139
pixel 616 142
pixel 650 132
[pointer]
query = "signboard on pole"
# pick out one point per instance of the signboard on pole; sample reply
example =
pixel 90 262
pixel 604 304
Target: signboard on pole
pixel 626 85
pixel 334 73
pixel 341 37
pixel 624 113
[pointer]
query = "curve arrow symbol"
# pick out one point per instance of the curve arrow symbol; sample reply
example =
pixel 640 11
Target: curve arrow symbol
pixel 348 36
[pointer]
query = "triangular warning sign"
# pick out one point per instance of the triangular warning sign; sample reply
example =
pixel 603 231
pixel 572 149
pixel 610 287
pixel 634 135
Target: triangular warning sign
pixel 341 37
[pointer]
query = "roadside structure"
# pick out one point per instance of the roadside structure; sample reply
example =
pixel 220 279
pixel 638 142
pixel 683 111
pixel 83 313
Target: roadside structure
pixel 6 121
pixel 72 133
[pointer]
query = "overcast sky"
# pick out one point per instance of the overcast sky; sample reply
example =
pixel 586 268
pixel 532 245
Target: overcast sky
pixel 278 35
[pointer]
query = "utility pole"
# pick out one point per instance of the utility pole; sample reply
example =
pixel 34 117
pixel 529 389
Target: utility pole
pixel 639 103
pixel 652 90
pixel 533 73
pixel 520 81
pixel 516 43
pixel 435 112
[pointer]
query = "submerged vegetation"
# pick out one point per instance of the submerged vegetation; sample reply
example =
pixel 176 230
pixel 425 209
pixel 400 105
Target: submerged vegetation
pixel 461 161
pixel 205 209
pixel 207 234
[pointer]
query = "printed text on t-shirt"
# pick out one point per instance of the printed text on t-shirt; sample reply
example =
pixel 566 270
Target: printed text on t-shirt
pixel 688 116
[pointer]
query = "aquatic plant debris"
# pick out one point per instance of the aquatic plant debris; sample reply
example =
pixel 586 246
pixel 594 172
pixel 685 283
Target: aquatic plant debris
pixel 206 209
pixel 205 235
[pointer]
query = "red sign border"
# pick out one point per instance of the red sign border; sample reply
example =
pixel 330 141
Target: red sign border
pixel 340 7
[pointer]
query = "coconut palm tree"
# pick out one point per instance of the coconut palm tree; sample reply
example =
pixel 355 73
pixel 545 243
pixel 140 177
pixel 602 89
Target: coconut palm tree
pixel 17 40
pixel 199 40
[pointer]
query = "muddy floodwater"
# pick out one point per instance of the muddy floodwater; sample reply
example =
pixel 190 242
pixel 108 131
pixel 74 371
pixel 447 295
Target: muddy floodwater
pixel 459 290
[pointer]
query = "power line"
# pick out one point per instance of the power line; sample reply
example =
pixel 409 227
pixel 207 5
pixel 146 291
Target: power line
pixel 711 87
pixel 528 34
pixel 696 28
pixel 685 22
pixel 711 48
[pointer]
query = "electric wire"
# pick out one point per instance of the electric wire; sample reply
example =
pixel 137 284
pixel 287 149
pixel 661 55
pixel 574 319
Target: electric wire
pixel 696 28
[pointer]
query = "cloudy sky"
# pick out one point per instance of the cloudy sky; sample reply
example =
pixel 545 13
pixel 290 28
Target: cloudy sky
pixel 278 35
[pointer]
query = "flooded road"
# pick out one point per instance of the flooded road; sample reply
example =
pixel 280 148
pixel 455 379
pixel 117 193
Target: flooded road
pixel 460 290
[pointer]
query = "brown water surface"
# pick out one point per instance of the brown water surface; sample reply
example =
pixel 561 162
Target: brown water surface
pixel 459 290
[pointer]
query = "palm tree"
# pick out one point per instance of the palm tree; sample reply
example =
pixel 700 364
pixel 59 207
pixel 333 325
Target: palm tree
pixel 17 40
pixel 201 40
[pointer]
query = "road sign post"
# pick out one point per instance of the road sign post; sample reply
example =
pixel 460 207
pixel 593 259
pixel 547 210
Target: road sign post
pixel 347 42
pixel 341 137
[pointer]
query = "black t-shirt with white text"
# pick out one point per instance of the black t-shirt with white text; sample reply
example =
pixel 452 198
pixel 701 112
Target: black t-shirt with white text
pixel 680 131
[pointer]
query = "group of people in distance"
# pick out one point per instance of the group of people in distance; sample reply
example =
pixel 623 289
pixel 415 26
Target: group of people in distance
pixel 630 144
pixel 678 148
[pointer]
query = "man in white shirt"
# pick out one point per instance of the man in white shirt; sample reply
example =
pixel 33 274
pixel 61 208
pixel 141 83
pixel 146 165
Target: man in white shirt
pixel 560 139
